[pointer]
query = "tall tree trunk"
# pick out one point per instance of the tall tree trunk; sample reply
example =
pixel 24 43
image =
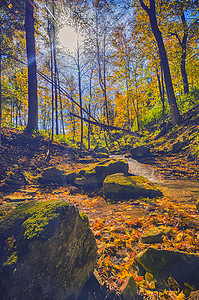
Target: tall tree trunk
pixel 61 106
pixel 183 56
pixel 104 80
pixel 52 89
pixel 127 96
pixel 55 73
pixel 174 112
pixel 80 98
pixel 89 108
pixel 161 93
pixel 32 74
pixel 0 87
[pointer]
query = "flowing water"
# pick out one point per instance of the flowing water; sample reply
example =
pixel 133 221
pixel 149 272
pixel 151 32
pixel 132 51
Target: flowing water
pixel 178 190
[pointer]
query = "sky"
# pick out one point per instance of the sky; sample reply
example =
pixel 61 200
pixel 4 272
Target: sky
pixel 68 38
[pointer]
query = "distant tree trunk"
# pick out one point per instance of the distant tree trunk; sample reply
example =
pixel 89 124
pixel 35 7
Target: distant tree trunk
pixel 32 75
pixel 61 106
pixel 174 112
pixel 73 122
pixel 89 108
pixel 183 56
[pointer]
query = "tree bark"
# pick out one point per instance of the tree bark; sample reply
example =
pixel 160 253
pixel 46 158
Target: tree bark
pixel 160 86
pixel 183 56
pixel 105 126
pixel 174 112
pixel 80 98
pixel 32 74
pixel 61 106
pixel 55 73
pixel 0 88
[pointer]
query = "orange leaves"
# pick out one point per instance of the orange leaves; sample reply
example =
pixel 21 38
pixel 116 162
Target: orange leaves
pixel 118 229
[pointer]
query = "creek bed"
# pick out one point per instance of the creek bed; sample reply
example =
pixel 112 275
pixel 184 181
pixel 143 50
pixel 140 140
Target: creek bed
pixel 178 190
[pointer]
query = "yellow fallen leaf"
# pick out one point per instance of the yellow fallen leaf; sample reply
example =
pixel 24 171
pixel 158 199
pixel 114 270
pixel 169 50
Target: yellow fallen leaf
pixel 181 296
pixel 148 277
pixel 151 285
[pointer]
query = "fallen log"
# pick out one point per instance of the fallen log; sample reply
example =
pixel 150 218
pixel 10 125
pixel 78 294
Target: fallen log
pixel 105 126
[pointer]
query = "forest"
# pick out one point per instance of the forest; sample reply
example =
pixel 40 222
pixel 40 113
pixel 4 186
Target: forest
pixel 99 149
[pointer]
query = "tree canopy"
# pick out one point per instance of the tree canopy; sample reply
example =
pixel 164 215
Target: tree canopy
pixel 136 65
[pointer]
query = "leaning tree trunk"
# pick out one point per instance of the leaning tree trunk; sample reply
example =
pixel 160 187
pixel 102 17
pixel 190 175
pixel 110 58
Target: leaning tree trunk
pixel 174 112
pixel 32 75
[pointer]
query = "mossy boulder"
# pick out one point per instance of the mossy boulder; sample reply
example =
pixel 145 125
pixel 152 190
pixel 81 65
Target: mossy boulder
pixel 156 234
pixel 165 264
pixel 52 175
pixel 94 178
pixel 47 251
pixel 123 187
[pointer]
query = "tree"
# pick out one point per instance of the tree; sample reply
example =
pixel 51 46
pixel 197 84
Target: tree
pixel 0 85
pixel 10 23
pixel 151 11
pixel 184 32
pixel 32 73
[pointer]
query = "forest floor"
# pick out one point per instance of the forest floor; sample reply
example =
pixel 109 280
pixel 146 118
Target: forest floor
pixel 117 227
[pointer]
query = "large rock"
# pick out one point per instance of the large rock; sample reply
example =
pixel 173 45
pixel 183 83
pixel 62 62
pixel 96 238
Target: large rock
pixel 94 178
pixel 155 234
pixel 47 251
pixel 124 187
pixel 14 180
pixel 140 152
pixel 163 264
pixel 131 290
pixel 52 175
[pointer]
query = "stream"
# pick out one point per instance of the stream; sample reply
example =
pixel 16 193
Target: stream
pixel 177 190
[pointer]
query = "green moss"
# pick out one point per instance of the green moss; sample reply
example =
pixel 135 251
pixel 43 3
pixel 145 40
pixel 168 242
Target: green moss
pixel 129 181
pixel 28 221
pixel 90 172
pixel 107 162
pixel 158 230
pixel 119 186
pixel 32 217
pixel 163 264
